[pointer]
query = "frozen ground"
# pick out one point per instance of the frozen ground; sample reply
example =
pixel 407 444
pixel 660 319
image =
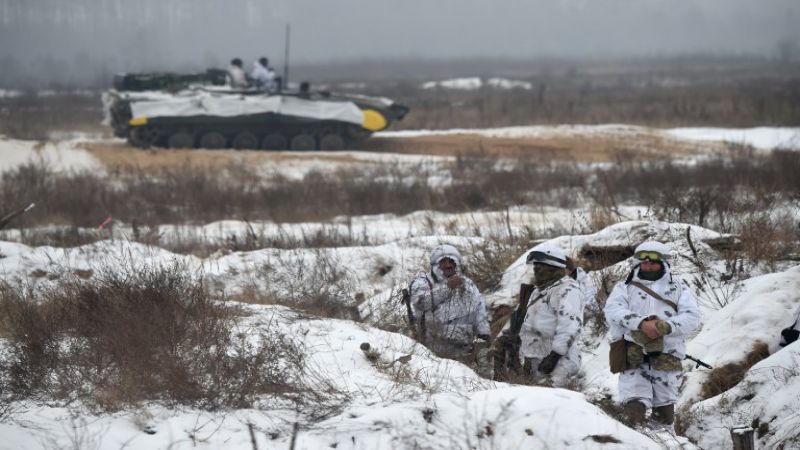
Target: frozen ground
pixel 409 398
pixel 71 153
pixel 763 138
pixel 437 402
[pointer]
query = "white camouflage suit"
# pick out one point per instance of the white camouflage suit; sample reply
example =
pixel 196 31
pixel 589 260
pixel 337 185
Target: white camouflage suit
pixel 452 317
pixel 587 289
pixel 626 308
pixel 553 323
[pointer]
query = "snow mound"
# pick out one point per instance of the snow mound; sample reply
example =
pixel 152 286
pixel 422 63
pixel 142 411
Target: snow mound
pixel 768 399
pixel 513 417
pixel 765 305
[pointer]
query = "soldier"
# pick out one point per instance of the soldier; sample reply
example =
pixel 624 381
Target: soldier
pixel 236 76
pixel 262 77
pixel 448 308
pixel 553 320
pixel 654 313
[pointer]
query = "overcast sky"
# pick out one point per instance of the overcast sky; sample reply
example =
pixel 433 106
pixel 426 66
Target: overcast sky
pixel 136 33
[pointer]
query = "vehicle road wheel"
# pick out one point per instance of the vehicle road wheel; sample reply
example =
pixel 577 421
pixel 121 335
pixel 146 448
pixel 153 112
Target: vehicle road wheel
pixel 213 140
pixel 144 136
pixel 357 133
pixel 245 140
pixel 303 142
pixel 275 141
pixel 181 139
pixel 331 142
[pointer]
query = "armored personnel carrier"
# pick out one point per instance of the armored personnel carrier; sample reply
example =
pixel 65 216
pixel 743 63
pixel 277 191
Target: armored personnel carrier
pixel 197 110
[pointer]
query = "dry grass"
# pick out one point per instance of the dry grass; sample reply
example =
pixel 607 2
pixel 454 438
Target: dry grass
pixel 725 377
pixel 559 146
pixel 122 158
pixel 318 286
pixel 633 146
pixel 148 334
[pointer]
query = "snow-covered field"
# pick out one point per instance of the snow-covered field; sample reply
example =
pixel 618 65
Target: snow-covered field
pixel 71 153
pixel 406 397
pixel 763 138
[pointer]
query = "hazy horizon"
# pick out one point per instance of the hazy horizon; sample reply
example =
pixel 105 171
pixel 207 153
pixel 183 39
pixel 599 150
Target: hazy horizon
pixel 81 37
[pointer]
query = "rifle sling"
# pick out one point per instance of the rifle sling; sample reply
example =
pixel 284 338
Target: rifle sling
pixel 653 294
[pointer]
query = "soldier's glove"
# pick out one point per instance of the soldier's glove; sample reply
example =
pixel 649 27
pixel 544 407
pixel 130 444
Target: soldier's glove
pixel 663 327
pixel 549 363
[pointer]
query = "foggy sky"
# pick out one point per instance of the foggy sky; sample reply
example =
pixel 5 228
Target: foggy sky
pixel 147 34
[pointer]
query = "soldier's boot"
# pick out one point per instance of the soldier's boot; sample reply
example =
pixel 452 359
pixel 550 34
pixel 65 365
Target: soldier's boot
pixel 634 411
pixel 664 414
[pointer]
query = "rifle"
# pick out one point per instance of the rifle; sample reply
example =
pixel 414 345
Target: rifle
pixel 409 313
pixel 507 356
pixel 14 214
pixel 699 363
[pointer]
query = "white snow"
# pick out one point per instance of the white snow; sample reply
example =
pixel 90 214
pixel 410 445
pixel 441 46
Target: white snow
pixel 68 154
pixel 505 83
pixel 769 394
pixel 426 400
pixel 473 83
pixel 469 84
pixel 764 138
pixel 58 156
pixel 388 398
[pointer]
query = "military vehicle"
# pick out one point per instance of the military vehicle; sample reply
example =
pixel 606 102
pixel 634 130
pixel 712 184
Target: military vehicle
pixel 198 110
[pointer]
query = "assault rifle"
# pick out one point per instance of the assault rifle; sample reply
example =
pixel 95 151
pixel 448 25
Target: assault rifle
pixel 699 363
pixel 14 214
pixel 507 351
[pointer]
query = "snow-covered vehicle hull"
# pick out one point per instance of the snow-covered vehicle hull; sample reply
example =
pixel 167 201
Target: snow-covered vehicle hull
pixel 218 117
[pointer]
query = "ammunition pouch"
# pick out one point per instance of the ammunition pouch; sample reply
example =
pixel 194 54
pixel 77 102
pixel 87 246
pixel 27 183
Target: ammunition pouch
pixel 618 356
pixel 665 362
pixel 635 354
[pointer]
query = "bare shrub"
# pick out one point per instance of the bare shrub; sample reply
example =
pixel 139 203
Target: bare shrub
pixel 151 334
pixel 725 377
pixel 488 260
pixel 766 238
pixel 318 286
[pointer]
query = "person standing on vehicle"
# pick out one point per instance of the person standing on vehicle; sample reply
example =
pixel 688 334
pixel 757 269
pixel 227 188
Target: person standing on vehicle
pixel 236 76
pixel 450 314
pixel 553 320
pixel 262 77
pixel 654 313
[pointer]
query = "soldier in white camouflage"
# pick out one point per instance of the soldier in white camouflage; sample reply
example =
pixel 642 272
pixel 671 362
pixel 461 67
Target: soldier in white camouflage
pixel 654 312
pixel 449 312
pixel 553 321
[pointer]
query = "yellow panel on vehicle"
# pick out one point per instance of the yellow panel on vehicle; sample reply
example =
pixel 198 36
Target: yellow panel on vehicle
pixel 136 121
pixel 373 120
